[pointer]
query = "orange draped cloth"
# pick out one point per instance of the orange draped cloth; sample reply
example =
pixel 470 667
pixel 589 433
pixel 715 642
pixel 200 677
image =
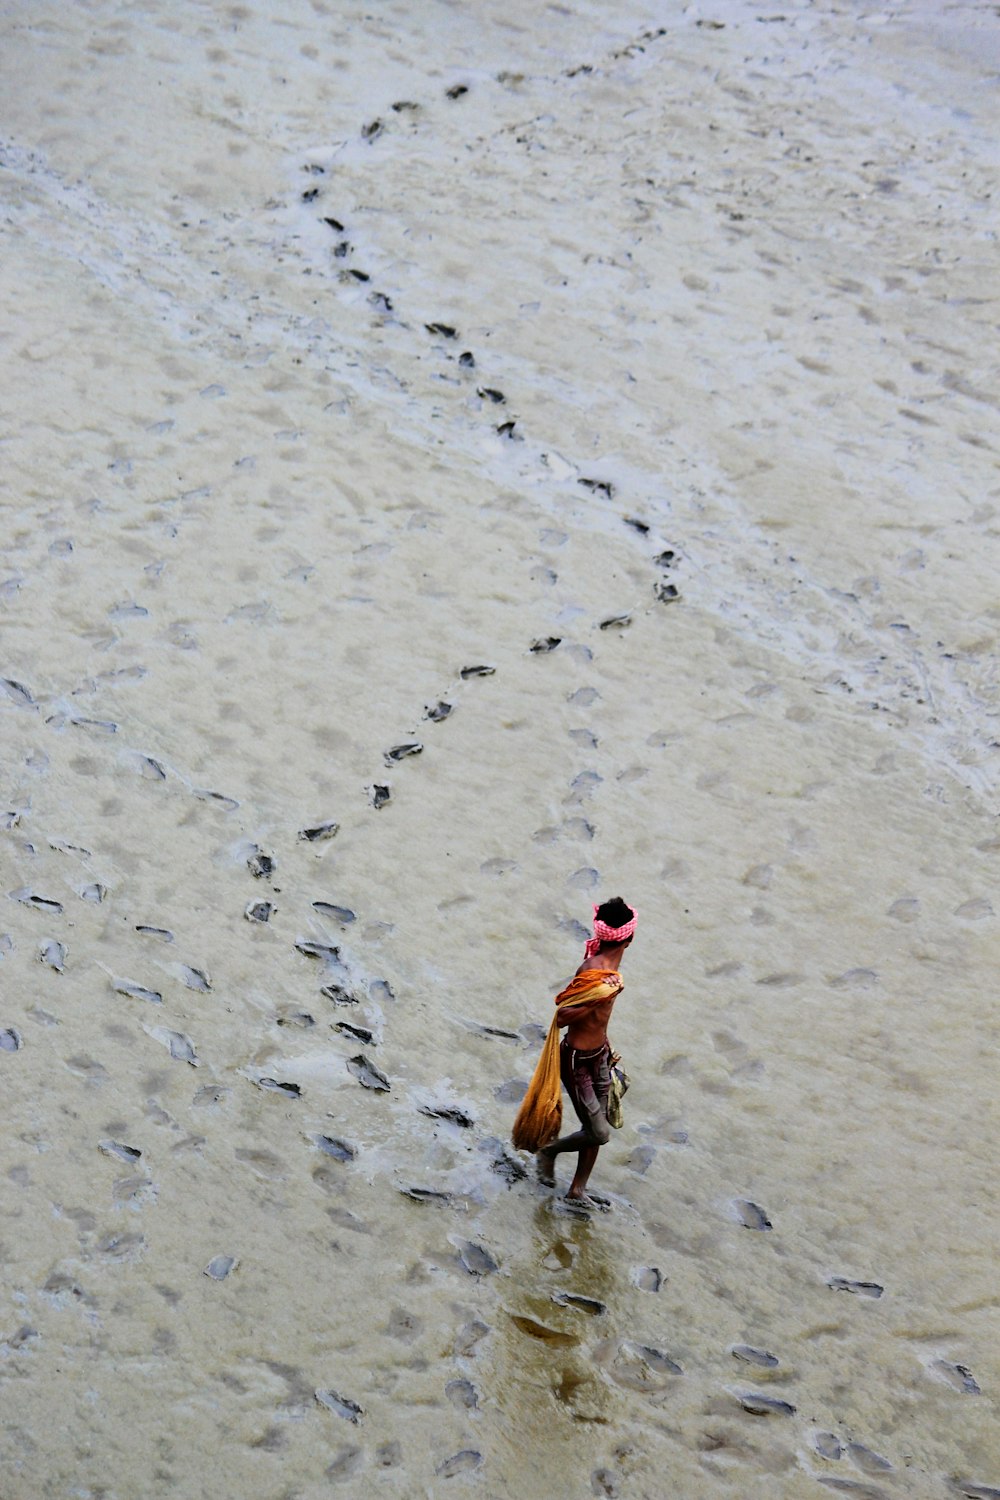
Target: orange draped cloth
pixel 540 1117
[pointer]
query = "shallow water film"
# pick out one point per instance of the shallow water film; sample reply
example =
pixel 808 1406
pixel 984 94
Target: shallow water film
pixel 460 464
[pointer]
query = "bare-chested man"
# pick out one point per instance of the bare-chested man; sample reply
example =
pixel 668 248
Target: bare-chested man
pixel 585 1055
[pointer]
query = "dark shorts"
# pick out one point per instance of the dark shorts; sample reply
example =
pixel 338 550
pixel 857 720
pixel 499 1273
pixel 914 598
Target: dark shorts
pixel 586 1078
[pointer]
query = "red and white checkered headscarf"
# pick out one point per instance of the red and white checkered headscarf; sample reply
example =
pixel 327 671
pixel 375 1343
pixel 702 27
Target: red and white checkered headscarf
pixel 605 934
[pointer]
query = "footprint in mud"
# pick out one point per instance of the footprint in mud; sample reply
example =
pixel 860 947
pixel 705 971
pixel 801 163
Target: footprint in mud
pixel 30 898
pixel 210 1094
pixel 497 1031
pixel 751 1215
pixel 426 1195
pixel 460 1463
pixel 259 911
pixel 866 1460
pixel 331 1145
pixel 119 1150
pixel 452 1113
pixel 641 1158
pixel 752 1356
pixel 193 979
pixel 724 971
pixel 759 1405
pixel 974 911
pixel 261 866
pixel 227 804
pixel 462 1394
pixel 861 979
pixel 275 1086
pixel 323 951
pixel 136 991
pixel 122 1246
pixel 475 1258
pixel 637 1367
pixel 84 1067
pixel 647 1278
pixel 53 954
pixel 587 740
pixel 346 1464
pixel 356 1033
pixel 959 1377
pixel 402 752
pixel 341 1406
pixel 221 1266
pixel 588 1305
pixel 559 1257
pixel 511 1092
pixel 468 1338
pixel 272 1440
pixel 17 692
pixel 319 832
pixel 367 1074
pixel 264 1163
pixel 404 1325
pixel 338 995
pixel 180 1047
pixel 858 1288
pixel 501 1161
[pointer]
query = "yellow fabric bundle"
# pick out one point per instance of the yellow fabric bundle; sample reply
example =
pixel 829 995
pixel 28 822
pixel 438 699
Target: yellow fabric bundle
pixel 540 1117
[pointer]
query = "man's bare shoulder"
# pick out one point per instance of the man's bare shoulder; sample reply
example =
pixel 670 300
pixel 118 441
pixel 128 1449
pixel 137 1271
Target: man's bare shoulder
pixel 611 976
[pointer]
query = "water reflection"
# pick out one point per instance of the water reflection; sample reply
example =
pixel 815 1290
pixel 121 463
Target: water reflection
pixel 545 1379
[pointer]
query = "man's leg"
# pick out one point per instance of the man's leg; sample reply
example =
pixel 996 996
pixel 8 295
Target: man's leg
pixel 594 1133
pixel 585 1163
pixel 593 1092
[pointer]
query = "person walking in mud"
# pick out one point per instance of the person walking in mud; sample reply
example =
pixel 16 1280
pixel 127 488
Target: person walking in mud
pixel 584 1059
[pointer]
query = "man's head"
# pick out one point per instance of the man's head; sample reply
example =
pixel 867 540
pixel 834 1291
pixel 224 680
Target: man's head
pixel 614 925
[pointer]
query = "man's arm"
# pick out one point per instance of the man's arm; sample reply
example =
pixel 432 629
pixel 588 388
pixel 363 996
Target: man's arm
pixel 575 1009
pixel 567 1013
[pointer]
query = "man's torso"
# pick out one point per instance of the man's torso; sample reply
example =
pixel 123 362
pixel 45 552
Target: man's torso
pixel 590 1029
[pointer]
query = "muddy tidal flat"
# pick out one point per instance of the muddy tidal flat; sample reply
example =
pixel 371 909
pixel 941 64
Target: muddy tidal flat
pixel 458 464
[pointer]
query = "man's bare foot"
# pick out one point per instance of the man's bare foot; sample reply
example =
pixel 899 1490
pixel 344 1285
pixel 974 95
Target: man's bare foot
pixel 587 1201
pixel 545 1168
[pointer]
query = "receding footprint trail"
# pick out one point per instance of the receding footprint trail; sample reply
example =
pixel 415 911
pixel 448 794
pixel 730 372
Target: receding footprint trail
pixel 451 478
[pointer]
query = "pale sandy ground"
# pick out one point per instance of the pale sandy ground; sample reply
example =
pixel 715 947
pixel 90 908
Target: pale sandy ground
pixel 744 272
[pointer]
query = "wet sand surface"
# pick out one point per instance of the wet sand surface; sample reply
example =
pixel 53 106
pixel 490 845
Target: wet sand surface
pixel 461 464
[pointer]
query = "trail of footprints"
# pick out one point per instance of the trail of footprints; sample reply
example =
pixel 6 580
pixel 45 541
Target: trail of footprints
pixel 639 1369
pixel 635 1367
pixel 559 1315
